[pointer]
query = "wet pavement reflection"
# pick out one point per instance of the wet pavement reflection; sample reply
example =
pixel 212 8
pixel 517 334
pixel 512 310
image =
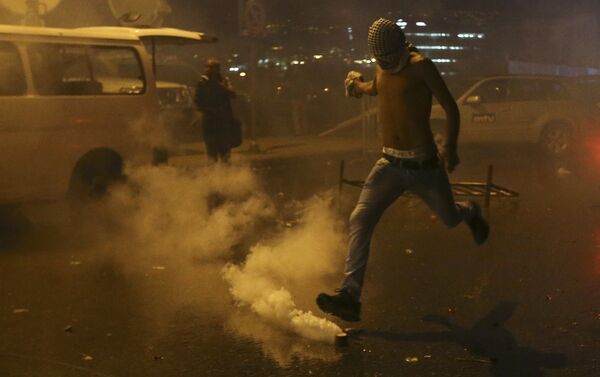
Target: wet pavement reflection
pixel 145 295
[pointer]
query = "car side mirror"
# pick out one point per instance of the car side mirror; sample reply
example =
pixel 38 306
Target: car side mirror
pixel 473 100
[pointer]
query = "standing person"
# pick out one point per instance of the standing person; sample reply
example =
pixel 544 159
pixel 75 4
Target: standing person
pixel 405 82
pixel 213 100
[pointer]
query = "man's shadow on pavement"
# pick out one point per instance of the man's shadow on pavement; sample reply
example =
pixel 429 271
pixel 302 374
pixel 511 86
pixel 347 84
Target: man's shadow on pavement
pixel 488 340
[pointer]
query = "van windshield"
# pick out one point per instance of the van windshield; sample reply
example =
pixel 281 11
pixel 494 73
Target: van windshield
pixel 60 69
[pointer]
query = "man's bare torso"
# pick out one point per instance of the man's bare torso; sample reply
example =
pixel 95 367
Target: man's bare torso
pixel 405 107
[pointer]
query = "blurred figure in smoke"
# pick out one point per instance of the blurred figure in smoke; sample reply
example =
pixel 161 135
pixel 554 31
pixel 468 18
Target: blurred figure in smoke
pixel 213 100
pixel 405 81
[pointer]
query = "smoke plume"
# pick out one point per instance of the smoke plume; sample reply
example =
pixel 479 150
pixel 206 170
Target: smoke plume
pixel 300 256
pixel 200 220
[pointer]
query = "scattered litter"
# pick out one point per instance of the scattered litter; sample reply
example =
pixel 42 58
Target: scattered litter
pixel 563 173
pixel 411 359
pixel 20 311
pixel 470 360
pixel 68 328
pixel 409 251
pixel 289 224
pixel 87 358
pixel 159 268
pixel 427 357
pixel 548 298
pixel 451 310
pixel 158 357
pixel 109 334
pixel 75 263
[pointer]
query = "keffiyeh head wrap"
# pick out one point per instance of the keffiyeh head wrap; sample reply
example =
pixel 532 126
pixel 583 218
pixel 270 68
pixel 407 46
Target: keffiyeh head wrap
pixel 387 44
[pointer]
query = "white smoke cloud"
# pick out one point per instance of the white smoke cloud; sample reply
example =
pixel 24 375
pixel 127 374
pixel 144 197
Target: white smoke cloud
pixel 301 257
pixel 198 214
pixel 185 227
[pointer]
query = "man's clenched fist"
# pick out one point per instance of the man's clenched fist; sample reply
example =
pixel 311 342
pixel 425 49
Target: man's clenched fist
pixel 350 84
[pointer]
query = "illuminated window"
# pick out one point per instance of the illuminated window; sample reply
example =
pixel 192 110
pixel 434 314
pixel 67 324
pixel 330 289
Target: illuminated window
pixel 431 35
pixel 440 47
pixel 471 35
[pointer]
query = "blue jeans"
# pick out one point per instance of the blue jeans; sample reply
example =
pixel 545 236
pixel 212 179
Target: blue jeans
pixel 383 186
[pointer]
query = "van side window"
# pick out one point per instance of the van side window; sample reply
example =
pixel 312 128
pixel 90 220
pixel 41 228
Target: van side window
pixel 12 79
pixel 60 69
pixel 118 69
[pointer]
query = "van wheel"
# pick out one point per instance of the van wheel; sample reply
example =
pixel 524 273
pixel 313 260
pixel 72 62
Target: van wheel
pixel 556 139
pixel 94 173
pixel 14 226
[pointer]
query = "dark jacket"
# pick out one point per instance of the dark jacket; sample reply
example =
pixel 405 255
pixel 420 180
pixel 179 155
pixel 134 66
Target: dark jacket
pixel 213 100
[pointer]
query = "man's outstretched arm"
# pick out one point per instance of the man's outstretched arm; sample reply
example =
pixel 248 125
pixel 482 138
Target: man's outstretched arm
pixel 369 88
pixel 356 87
pixel 438 87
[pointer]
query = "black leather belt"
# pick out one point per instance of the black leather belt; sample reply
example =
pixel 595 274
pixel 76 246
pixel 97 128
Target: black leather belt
pixel 432 163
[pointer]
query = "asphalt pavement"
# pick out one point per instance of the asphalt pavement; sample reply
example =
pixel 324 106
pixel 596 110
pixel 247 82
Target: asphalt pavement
pixel 101 297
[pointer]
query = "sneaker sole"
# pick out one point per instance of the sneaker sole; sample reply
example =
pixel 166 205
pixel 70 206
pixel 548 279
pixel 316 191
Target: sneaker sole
pixel 330 308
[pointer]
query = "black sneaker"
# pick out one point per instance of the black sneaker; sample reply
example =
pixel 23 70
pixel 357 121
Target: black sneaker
pixel 341 305
pixel 479 227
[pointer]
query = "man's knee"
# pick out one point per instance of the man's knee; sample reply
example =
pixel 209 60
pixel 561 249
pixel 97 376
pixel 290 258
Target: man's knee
pixel 362 216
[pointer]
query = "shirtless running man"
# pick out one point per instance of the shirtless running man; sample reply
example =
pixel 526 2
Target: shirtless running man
pixel 405 82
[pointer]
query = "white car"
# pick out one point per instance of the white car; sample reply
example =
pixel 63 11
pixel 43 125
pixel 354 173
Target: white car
pixel 538 110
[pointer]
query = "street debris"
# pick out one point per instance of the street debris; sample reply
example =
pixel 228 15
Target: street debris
pixel 159 268
pixel 87 357
pixel 563 172
pixel 75 263
pixel 411 359
pixel 548 298
pixel 158 357
pixel 68 328
pixel 20 311
pixel 473 360
pixel 409 251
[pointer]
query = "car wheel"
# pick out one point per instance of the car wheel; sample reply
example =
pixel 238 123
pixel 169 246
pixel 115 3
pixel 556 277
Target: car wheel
pixel 556 139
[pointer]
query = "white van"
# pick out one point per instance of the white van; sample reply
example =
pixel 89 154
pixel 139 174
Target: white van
pixel 75 104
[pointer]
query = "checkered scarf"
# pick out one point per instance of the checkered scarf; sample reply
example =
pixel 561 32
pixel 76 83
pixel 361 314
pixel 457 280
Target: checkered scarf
pixel 387 44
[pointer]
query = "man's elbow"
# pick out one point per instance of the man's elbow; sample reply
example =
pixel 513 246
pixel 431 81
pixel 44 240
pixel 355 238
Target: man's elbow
pixel 452 111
